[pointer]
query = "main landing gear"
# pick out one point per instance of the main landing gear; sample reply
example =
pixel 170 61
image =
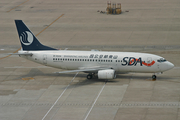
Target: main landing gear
pixel 153 77
pixel 90 75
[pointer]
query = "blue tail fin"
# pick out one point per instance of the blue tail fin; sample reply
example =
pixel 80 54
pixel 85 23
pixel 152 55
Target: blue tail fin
pixel 28 40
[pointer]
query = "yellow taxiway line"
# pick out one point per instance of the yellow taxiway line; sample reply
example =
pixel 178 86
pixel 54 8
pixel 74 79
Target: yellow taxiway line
pixel 18 6
pixel 28 78
pixel 49 25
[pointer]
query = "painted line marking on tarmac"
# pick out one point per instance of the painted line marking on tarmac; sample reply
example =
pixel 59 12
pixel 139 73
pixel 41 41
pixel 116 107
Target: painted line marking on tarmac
pixel 28 78
pixel 36 35
pixel 176 68
pixel 50 24
pixel 10 55
pixel 28 67
pixel 59 97
pixel 95 101
pixel 17 6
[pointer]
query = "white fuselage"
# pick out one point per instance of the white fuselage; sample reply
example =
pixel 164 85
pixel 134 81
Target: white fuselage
pixel 119 61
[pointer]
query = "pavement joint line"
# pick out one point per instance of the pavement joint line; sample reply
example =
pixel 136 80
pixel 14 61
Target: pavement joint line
pixel 17 6
pixel 103 104
pixel 36 35
pixel 59 97
pixel 95 101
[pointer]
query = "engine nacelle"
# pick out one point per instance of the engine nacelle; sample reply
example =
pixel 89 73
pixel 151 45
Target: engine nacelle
pixel 106 74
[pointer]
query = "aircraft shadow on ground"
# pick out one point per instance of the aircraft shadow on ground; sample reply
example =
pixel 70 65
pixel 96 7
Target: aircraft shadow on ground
pixel 37 72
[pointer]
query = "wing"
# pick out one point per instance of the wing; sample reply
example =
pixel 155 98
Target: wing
pixel 92 69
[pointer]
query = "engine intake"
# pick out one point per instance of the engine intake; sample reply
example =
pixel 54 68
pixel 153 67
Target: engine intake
pixel 106 74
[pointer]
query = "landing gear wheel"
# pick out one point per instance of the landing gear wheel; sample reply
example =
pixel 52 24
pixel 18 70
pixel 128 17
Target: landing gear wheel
pixel 89 76
pixel 154 77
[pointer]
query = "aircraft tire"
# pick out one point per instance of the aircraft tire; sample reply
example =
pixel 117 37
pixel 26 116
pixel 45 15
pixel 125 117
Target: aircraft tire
pixel 89 76
pixel 154 77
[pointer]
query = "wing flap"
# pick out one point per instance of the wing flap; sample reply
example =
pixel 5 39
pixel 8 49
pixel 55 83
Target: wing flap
pixel 85 70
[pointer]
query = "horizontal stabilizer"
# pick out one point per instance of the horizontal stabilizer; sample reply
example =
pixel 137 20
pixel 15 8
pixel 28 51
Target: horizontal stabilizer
pixel 20 54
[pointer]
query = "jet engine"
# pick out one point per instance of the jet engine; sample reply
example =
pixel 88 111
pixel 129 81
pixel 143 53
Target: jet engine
pixel 106 74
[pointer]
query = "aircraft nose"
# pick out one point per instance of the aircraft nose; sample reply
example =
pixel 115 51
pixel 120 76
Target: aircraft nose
pixel 170 65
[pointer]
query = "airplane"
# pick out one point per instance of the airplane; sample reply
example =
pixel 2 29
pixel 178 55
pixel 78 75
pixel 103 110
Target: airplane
pixel 101 63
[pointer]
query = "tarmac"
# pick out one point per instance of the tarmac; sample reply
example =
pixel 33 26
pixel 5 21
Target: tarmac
pixel 30 91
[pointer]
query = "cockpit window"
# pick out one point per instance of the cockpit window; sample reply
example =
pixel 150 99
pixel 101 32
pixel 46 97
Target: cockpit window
pixel 161 60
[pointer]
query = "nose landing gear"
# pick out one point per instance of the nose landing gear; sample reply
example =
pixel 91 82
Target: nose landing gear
pixel 153 77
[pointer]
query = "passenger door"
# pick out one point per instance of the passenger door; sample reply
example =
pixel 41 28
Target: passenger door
pixel 45 59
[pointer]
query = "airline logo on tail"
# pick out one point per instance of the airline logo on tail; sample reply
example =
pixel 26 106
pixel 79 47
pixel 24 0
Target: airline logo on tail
pixel 26 38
